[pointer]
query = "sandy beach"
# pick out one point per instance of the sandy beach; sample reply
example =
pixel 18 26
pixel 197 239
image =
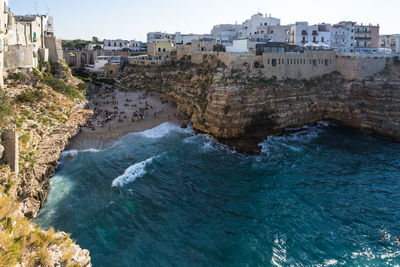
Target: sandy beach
pixel 118 113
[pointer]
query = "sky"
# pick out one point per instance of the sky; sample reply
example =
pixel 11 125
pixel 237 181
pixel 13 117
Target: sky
pixel 132 19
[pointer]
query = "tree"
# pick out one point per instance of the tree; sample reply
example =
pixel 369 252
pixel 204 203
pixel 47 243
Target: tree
pixel 95 40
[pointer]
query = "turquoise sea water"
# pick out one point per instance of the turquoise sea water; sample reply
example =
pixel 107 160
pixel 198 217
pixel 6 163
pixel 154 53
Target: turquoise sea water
pixel 324 196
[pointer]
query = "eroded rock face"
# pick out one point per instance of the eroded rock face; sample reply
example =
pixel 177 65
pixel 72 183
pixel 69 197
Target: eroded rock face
pixel 242 109
pixel 1 151
pixel 33 192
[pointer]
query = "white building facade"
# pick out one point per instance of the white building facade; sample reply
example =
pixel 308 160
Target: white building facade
pixel 343 37
pixel 391 42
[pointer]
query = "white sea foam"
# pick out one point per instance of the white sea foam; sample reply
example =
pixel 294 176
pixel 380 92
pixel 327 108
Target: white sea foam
pixel 164 129
pixel 135 171
pixel 92 151
pixel 279 252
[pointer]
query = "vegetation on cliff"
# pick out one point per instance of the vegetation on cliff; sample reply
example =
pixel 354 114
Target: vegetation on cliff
pixel 36 104
pixel 20 242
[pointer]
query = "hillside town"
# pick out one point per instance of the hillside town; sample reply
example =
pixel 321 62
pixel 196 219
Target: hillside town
pixel 261 43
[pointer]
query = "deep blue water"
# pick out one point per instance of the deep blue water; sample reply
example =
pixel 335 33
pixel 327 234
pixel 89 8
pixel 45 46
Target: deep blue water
pixel 321 197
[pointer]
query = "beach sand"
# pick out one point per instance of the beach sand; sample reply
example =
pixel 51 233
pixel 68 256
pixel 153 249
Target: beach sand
pixel 122 124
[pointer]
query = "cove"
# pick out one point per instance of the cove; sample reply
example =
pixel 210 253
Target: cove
pixel 323 196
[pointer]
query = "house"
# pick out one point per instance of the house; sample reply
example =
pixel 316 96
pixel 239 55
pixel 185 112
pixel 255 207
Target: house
pixel 249 28
pixel 391 42
pixel 136 46
pixel 343 36
pixel 30 38
pixel 115 45
pixel 367 38
pixel 242 46
pixel 160 49
pixel 156 36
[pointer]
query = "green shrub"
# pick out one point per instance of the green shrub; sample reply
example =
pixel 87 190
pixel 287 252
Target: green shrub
pixel 36 72
pixel 40 64
pixel 30 96
pixel 16 76
pixel 83 87
pixel 5 107
pixel 61 87
pixel 48 67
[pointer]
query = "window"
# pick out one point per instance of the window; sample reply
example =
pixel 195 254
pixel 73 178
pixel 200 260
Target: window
pixel 159 49
pixel 269 61
pixel 314 62
pixel 287 61
pixel 303 32
pixel 326 62
pixel 291 61
pixel 279 61
pixel 273 62
pixel 304 40
pixel 323 39
pixel 163 49
pixel 298 61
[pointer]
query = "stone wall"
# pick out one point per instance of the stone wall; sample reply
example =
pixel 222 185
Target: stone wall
pixel 54 52
pixel 357 67
pixel 11 152
pixel 19 56
pixel 297 65
pixel 307 65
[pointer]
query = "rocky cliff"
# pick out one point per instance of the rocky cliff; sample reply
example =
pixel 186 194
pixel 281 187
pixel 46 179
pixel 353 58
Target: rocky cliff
pixel 242 109
pixel 45 112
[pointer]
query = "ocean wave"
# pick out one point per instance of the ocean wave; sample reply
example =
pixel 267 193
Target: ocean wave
pixel 164 129
pixel 279 253
pixel 290 141
pixel 70 154
pixel 135 171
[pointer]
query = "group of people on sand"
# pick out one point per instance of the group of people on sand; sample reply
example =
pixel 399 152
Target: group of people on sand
pixel 104 114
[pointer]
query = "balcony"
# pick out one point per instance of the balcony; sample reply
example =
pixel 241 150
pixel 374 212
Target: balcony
pixel 363 38
pixel 363 31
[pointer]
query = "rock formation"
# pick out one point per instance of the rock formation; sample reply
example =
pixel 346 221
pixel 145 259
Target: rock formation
pixel 242 109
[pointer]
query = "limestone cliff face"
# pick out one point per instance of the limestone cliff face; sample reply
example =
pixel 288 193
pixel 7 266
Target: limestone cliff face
pixel 46 113
pixel 33 189
pixel 243 109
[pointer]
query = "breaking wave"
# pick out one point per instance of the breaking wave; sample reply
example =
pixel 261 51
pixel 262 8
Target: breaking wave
pixel 164 129
pixel 135 171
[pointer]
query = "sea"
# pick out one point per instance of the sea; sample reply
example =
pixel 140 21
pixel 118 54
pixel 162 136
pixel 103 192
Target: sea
pixel 323 195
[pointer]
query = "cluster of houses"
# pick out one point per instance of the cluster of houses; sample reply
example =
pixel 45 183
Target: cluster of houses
pixel 26 42
pixel 264 33
pixel 261 42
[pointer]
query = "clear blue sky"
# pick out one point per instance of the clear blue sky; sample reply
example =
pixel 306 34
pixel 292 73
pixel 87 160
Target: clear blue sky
pixel 132 19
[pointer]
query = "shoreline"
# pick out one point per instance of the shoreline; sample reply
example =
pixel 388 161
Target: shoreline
pixel 118 113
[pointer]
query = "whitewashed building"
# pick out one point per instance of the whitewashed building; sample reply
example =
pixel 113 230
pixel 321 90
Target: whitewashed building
pixel 135 46
pixel 343 36
pixel 249 28
pixel 224 34
pixel 157 36
pixel 115 45
pixel 391 42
